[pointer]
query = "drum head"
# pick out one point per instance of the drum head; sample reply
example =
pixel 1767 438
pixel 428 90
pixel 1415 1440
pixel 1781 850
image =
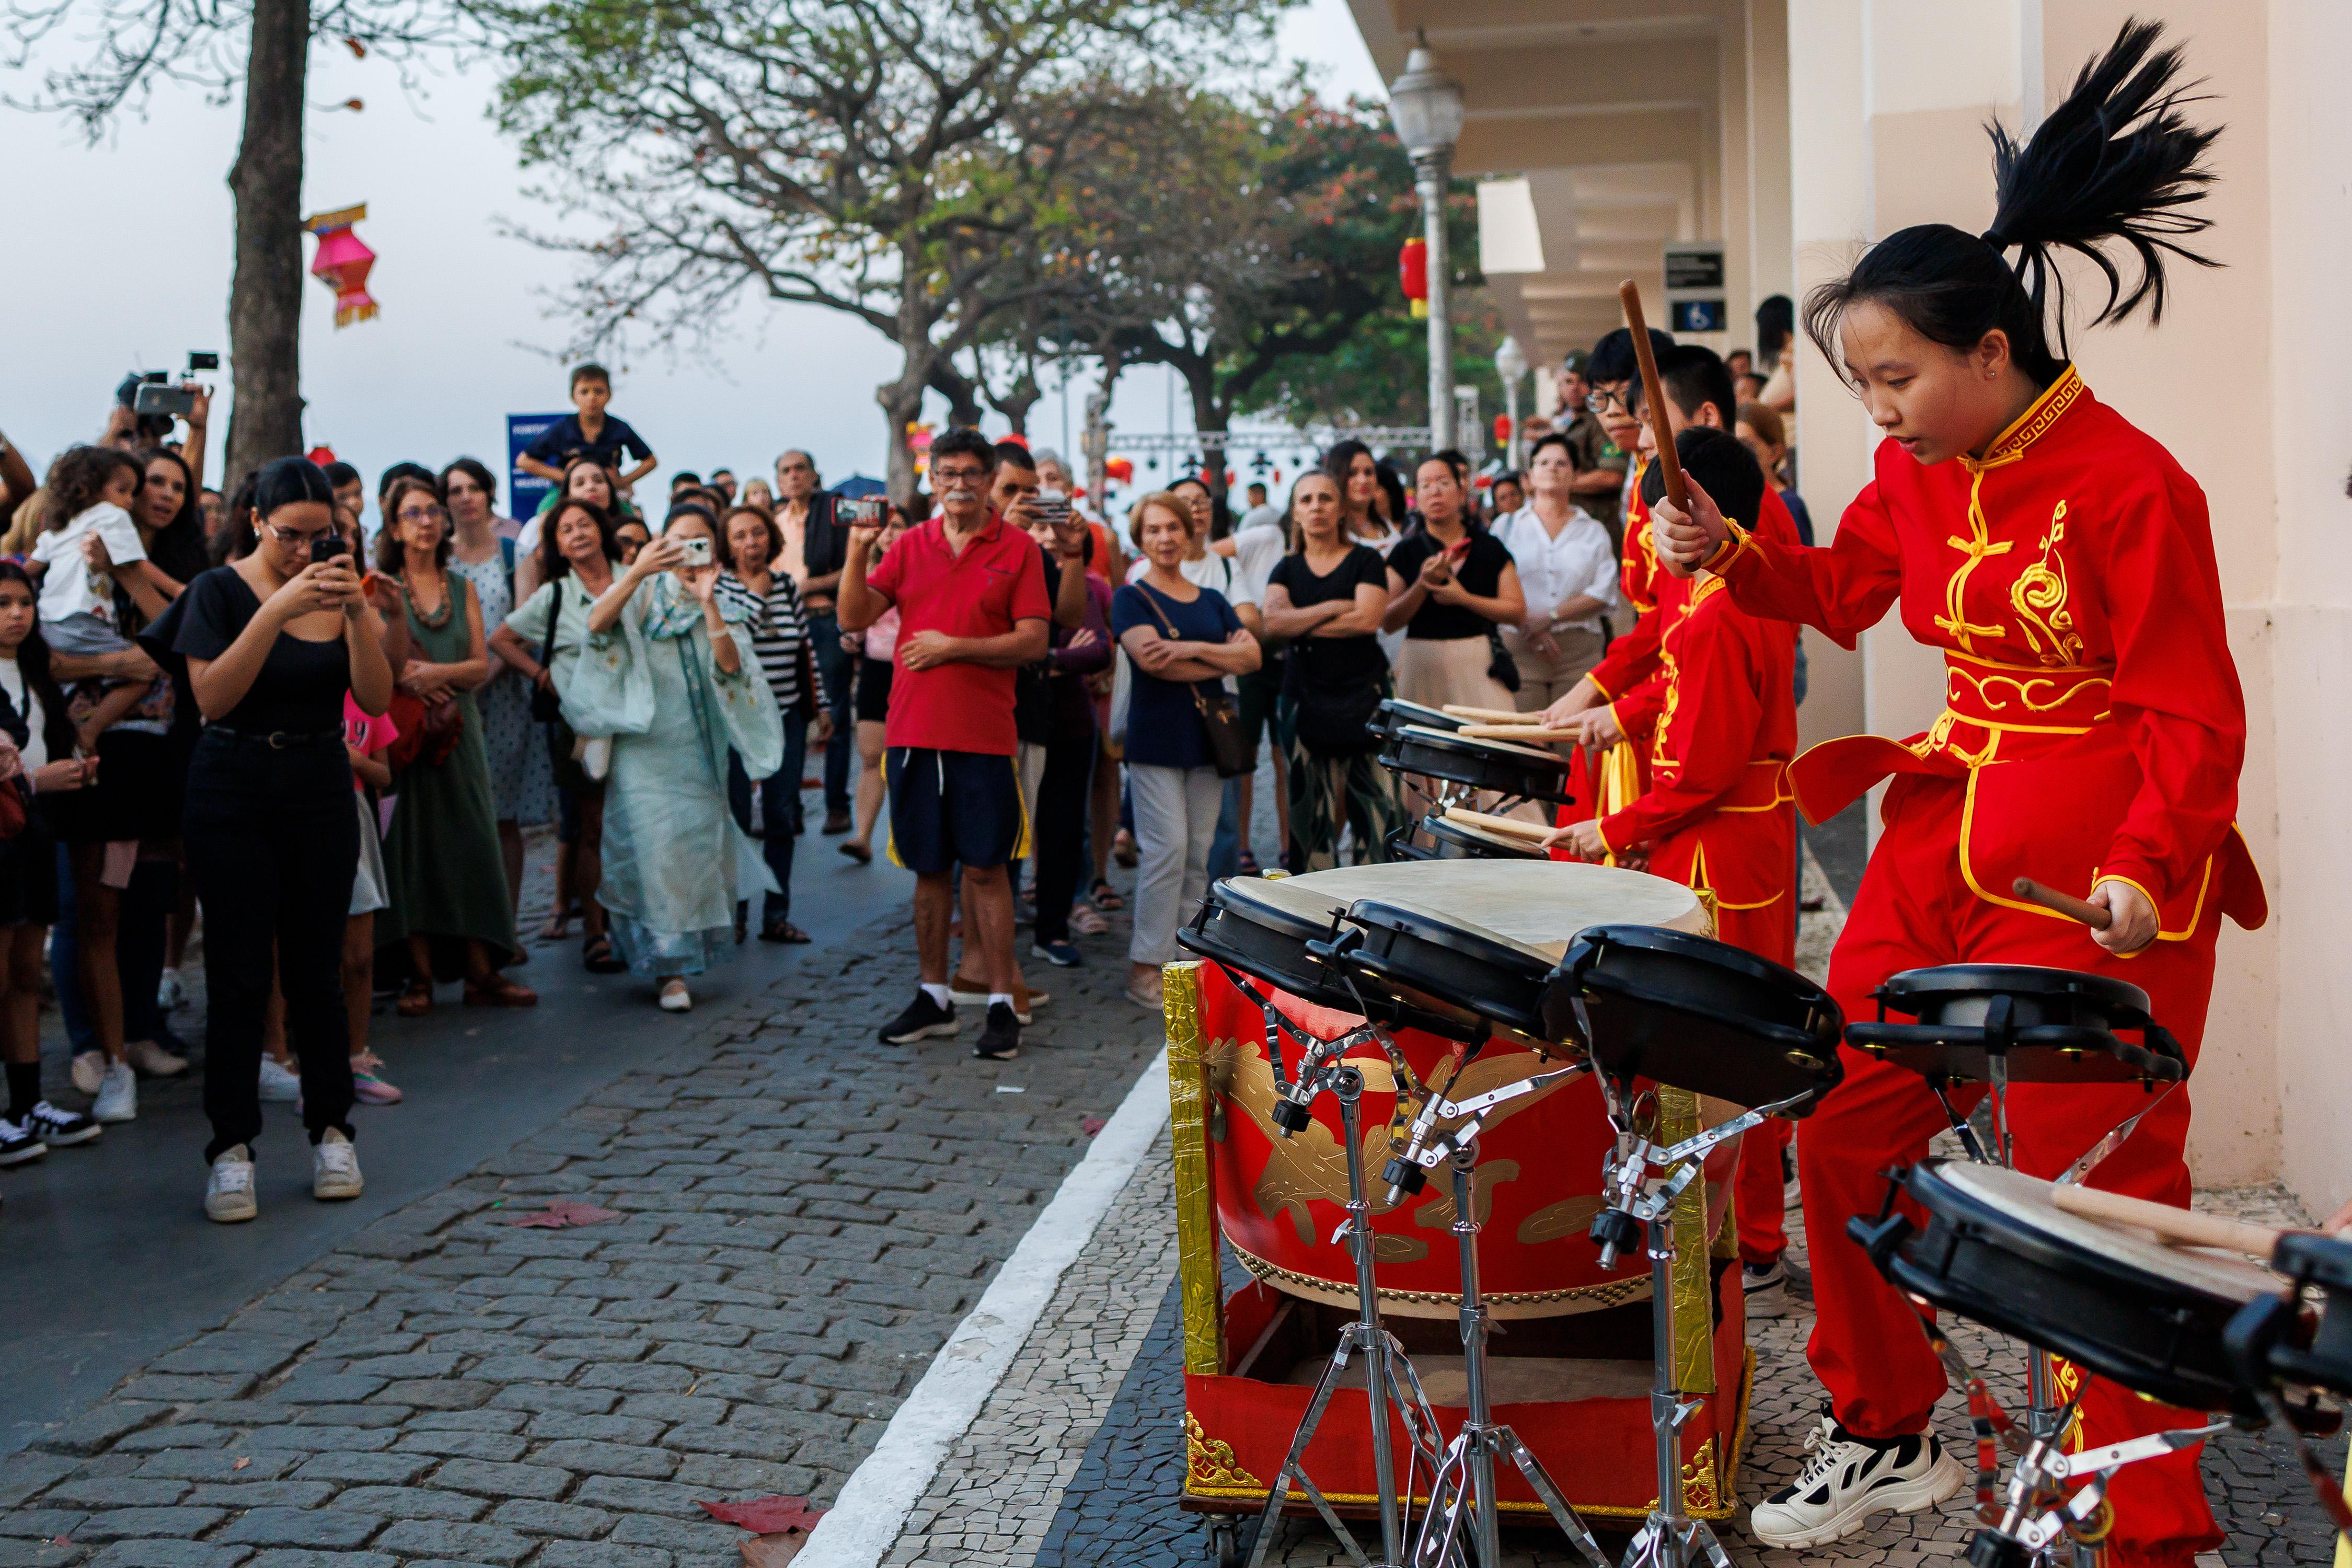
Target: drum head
pixel 1997 1252
pixel 1541 904
pixel 1697 1013
pixel 1255 925
pixel 2049 1025
pixel 1503 766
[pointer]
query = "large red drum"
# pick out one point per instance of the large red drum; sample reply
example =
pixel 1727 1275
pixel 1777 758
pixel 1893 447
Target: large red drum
pixel 1538 1180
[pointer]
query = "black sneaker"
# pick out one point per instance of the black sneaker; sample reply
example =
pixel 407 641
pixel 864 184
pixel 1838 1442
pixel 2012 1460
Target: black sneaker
pixel 922 1019
pixel 61 1129
pixel 19 1142
pixel 999 1038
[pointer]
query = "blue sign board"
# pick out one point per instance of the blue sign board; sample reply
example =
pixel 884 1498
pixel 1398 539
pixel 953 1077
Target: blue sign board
pixel 1699 316
pixel 525 491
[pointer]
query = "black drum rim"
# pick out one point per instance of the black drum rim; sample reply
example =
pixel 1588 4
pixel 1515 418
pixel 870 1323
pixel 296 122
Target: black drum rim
pixel 1436 825
pixel 1526 968
pixel 2125 1002
pixel 1477 764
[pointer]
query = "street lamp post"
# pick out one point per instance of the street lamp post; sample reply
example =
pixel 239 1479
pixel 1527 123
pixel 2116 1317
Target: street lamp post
pixel 1511 365
pixel 1426 105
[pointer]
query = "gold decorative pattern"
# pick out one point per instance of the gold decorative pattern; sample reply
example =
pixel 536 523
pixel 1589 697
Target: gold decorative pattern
pixel 2035 694
pixel 1196 1210
pixel 1557 1221
pixel 1694 1314
pixel 2039 595
pixel 1563 1302
pixel 1976 547
pixel 1702 1495
pixel 2035 422
pixel 1210 1463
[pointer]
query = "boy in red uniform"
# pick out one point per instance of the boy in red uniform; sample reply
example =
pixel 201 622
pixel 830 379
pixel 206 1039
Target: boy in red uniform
pixel 1717 815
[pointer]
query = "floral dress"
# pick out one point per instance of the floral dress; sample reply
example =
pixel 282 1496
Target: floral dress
pixel 521 777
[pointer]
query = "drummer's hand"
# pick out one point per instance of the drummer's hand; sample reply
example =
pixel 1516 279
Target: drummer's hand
pixel 1598 729
pixel 1582 839
pixel 1581 696
pixel 2131 918
pixel 1689 538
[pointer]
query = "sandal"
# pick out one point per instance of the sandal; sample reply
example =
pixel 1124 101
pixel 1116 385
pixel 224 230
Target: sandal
pixel 597 957
pixel 499 991
pixel 558 926
pixel 1103 896
pixel 1248 863
pixel 782 931
pixel 416 999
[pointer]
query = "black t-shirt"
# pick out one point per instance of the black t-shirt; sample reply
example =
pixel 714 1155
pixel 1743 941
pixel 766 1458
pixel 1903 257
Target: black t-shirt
pixel 1480 572
pixel 301 684
pixel 1032 696
pixel 1322 660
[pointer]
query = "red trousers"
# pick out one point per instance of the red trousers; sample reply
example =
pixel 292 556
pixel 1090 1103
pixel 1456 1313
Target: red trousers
pixel 1763 1233
pixel 1915 909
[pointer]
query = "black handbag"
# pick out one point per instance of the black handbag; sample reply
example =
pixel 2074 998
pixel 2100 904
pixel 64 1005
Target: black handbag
pixel 1219 717
pixel 1501 667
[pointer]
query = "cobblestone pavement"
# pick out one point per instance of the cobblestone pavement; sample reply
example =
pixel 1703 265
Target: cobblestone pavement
pixel 1077 1459
pixel 804 1215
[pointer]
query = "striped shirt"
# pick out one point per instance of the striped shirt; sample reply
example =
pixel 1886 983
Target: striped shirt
pixel 779 631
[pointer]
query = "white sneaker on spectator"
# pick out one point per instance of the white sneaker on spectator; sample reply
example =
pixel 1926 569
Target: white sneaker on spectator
pixel 117 1095
pixel 335 1168
pixel 88 1071
pixel 228 1190
pixel 169 992
pixel 148 1058
pixel 279 1083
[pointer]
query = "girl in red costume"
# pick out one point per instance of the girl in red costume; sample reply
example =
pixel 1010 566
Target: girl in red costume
pixel 2091 738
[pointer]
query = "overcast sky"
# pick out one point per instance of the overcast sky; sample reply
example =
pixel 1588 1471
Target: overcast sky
pixel 120 256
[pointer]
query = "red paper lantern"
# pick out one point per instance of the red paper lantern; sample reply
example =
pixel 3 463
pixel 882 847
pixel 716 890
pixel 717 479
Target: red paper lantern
pixel 343 262
pixel 1502 430
pixel 1121 469
pixel 1413 272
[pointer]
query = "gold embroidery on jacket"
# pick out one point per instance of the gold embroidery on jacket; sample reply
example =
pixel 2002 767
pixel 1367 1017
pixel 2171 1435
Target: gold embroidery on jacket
pixel 2039 595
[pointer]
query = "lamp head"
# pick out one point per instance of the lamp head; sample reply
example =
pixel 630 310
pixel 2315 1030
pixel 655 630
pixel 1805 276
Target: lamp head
pixel 1426 105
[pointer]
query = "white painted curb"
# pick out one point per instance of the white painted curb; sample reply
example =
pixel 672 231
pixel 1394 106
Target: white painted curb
pixel 880 1495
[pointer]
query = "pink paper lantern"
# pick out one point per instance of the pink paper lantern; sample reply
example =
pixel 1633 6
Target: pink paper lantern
pixel 342 263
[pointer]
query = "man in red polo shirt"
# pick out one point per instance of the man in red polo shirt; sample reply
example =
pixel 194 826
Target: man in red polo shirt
pixel 971 595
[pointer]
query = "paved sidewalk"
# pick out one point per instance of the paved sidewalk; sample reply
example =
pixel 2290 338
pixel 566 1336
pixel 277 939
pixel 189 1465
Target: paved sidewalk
pixel 804 1216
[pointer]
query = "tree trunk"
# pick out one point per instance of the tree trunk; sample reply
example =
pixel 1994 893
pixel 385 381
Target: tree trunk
pixel 1095 442
pixel 265 304
pixel 1015 403
pixel 902 405
pixel 1209 417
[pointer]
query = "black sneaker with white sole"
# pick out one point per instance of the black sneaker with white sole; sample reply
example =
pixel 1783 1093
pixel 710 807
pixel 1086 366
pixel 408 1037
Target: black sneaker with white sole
pixel 921 1020
pixel 61 1129
pixel 999 1038
pixel 19 1143
pixel 1848 1479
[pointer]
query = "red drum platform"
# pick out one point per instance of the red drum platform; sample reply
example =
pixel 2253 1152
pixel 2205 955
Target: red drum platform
pixel 1571 1374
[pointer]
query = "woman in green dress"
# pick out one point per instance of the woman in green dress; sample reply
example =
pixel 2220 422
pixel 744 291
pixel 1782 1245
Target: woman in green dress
pixel 450 914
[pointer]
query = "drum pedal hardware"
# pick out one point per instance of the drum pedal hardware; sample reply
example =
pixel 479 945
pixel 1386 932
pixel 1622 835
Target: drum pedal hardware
pixel 1389 1378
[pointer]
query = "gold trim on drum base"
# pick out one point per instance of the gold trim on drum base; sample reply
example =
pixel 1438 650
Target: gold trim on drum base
pixel 1196 1207
pixel 1503 1304
pixel 1710 1490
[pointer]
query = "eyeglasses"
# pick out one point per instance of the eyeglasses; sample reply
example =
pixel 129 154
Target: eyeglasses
pixel 947 475
pixel 294 537
pixel 1602 398
pixel 424 514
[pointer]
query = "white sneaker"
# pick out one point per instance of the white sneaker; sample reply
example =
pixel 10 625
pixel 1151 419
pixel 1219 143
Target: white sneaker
pixel 1847 1480
pixel 154 1060
pixel 117 1095
pixel 279 1083
pixel 90 1071
pixel 1765 1287
pixel 228 1192
pixel 169 992
pixel 676 997
pixel 335 1168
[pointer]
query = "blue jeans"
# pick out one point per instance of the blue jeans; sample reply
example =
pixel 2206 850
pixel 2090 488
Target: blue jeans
pixel 780 809
pixel 1225 850
pixel 65 961
pixel 836 666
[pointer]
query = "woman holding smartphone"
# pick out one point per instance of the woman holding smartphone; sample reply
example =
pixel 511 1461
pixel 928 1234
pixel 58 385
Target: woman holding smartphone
pixel 675 685
pixel 272 643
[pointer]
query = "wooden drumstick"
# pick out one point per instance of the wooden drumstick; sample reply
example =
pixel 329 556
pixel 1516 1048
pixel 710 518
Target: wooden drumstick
pixel 1487 715
pixel 2179 1227
pixel 2066 904
pixel 1517 827
pixel 1535 733
pixel 1629 294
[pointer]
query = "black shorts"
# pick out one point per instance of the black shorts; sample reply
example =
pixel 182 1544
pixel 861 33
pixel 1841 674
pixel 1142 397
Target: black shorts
pixel 873 689
pixel 951 808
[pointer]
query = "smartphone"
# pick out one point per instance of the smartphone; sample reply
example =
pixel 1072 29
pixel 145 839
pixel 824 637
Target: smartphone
pixel 199 359
pixel 170 402
pixel 330 546
pixel 695 551
pixel 866 511
pixel 1054 508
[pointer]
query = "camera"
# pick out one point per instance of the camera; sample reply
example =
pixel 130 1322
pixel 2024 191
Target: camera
pixel 154 398
pixel 1054 508
pixel 695 551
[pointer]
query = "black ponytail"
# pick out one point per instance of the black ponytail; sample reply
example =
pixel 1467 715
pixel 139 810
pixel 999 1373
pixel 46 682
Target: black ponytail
pixel 2117 161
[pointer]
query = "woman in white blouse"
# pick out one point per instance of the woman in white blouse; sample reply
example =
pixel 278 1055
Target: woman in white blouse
pixel 1568 574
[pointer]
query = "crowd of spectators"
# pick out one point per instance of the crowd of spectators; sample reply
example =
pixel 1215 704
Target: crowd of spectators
pixel 301 695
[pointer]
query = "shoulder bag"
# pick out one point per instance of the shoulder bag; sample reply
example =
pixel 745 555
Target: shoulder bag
pixel 1219 717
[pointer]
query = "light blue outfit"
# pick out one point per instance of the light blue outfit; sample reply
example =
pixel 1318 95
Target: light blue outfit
pixel 674 859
